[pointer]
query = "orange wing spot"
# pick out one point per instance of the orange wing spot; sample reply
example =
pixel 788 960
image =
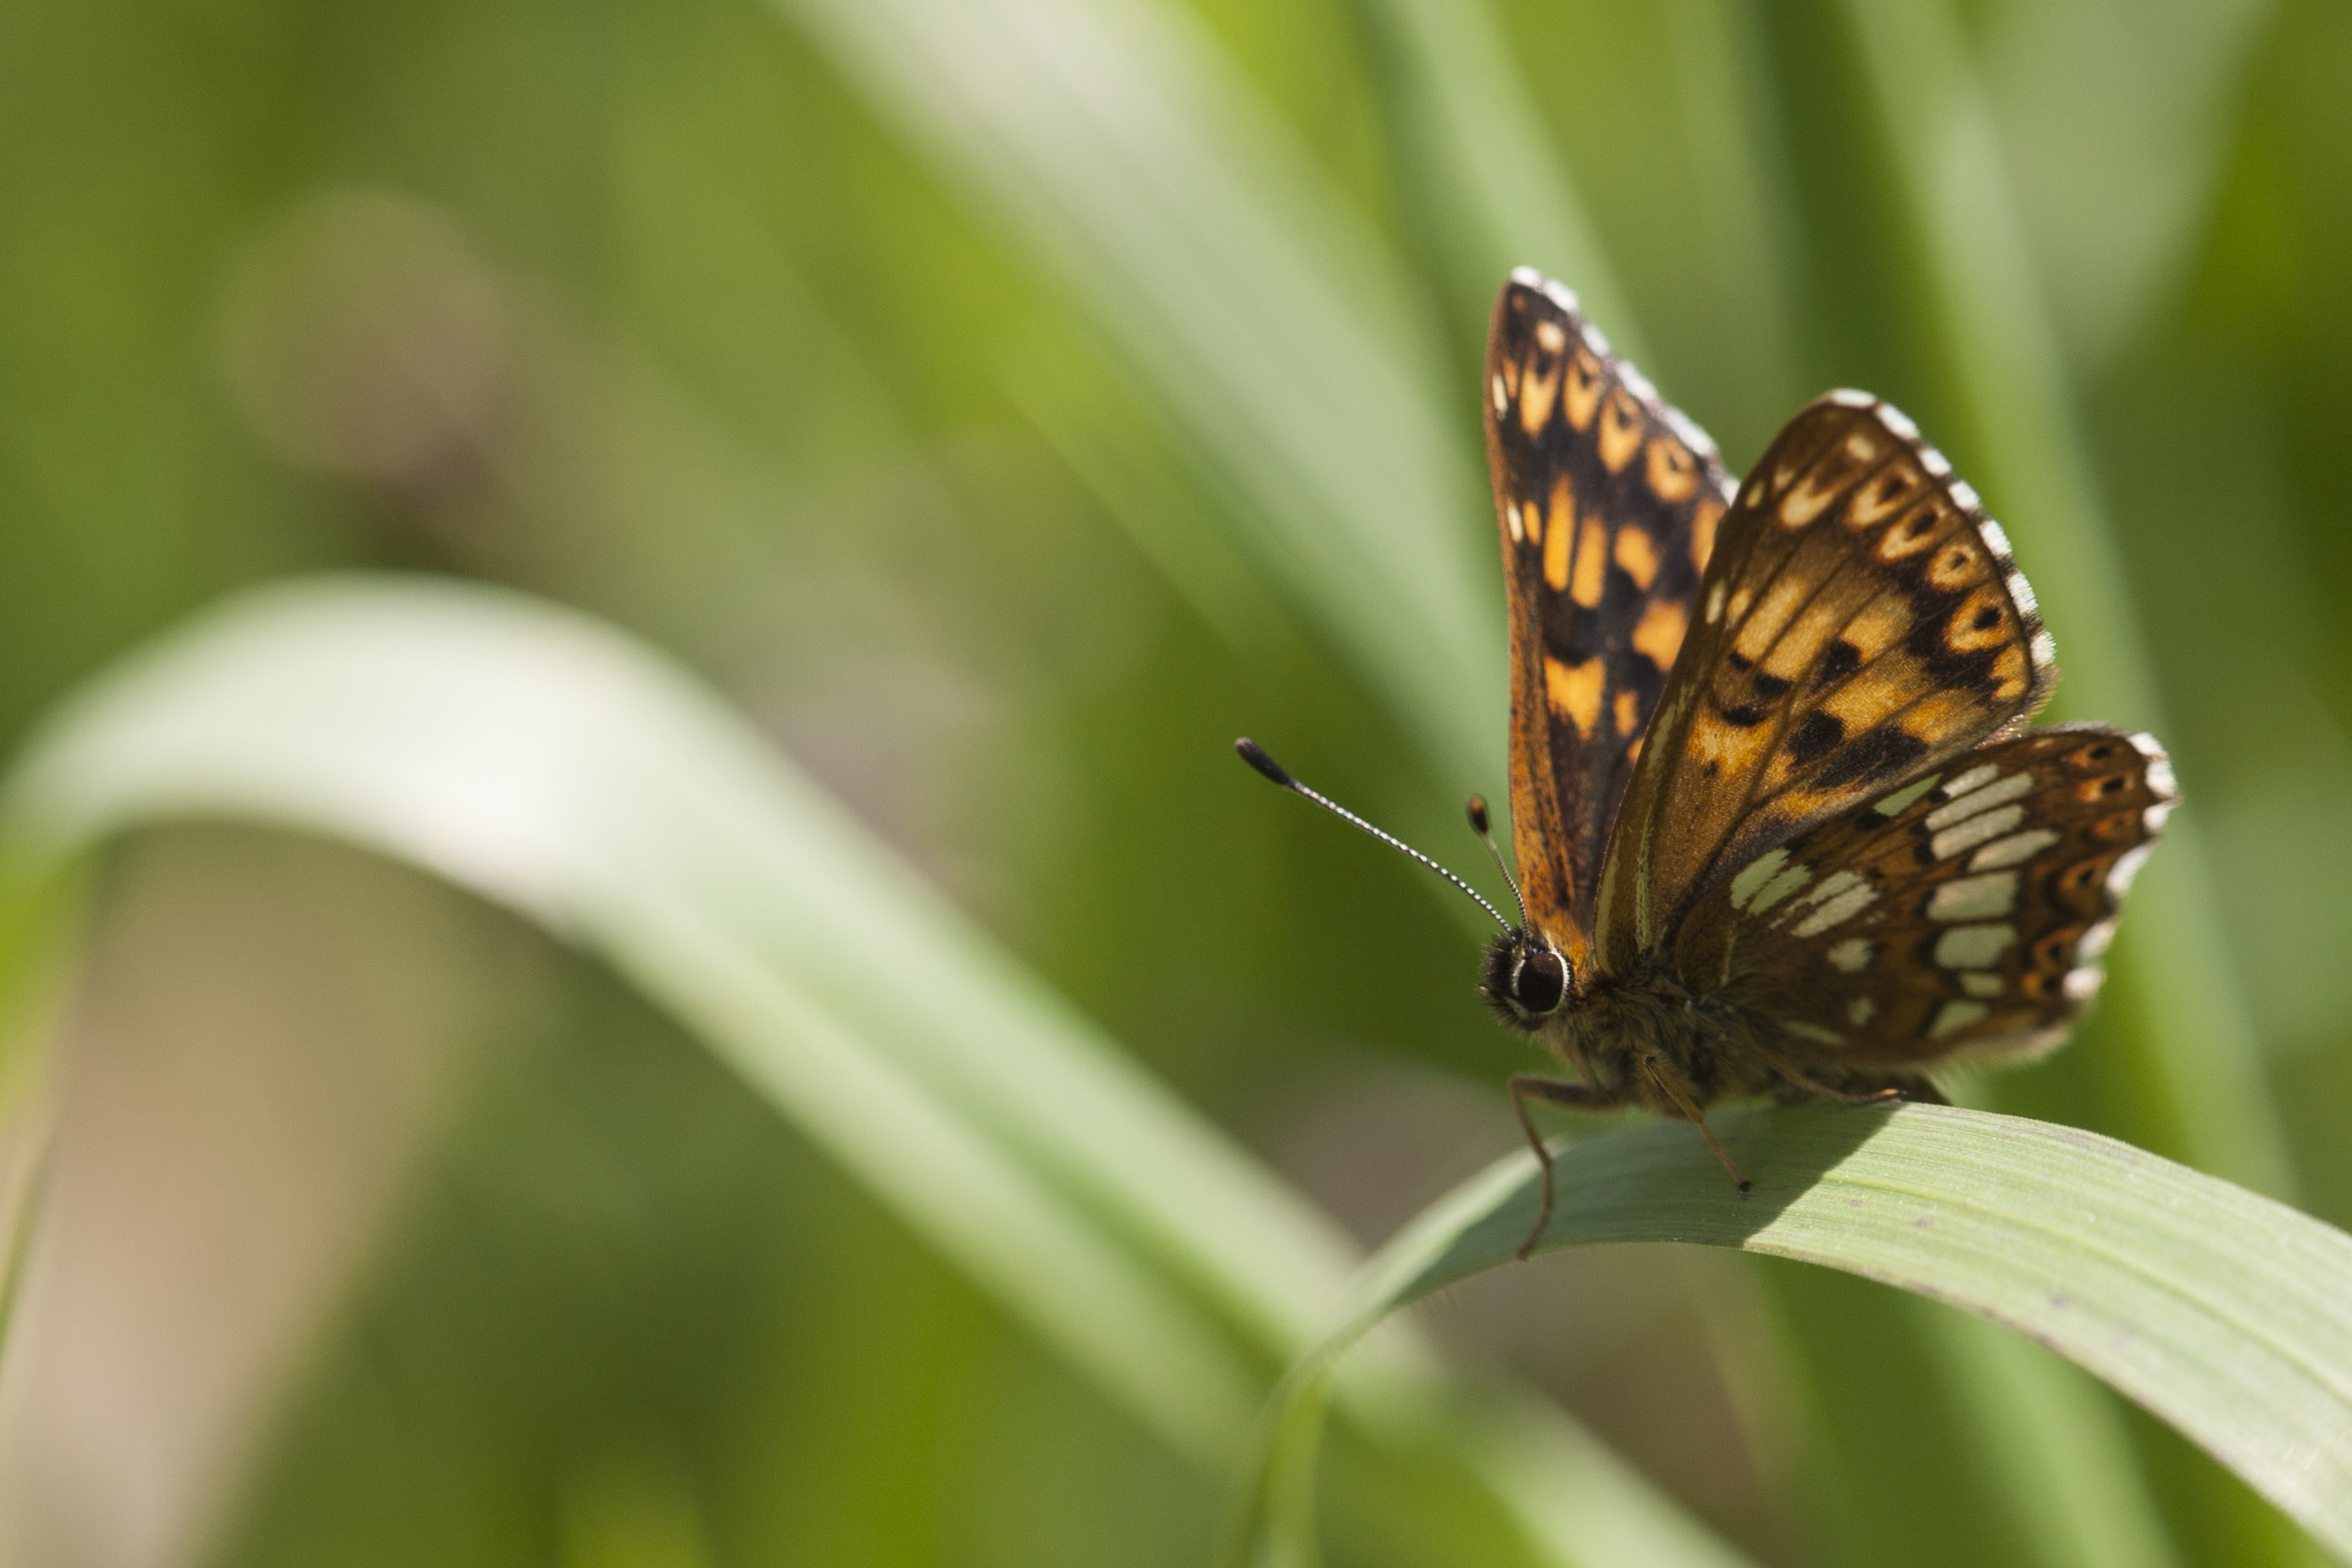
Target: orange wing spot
pixel 1537 393
pixel 1673 471
pixel 1916 532
pixel 1955 566
pixel 1892 489
pixel 1637 555
pixel 1559 534
pixel 1762 628
pixel 1531 522
pixel 1592 562
pixel 1629 711
pixel 1633 750
pixel 1798 646
pixel 2009 674
pixel 1981 622
pixel 1574 691
pixel 1550 334
pixel 1809 500
pixel 1870 696
pixel 1579 387
pixel 1658 636
pixel 1620 429
pixel 1886 618
pixel 1703 522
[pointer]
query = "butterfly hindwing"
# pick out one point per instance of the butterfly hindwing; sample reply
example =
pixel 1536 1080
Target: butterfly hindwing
pixel 1959 917
pixel 1608 503
pixel 1861 622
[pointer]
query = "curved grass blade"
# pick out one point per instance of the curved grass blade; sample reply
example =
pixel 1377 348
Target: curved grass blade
pixel 1498 194
pixel 2007 376
pixel 555 766
pixel 2218 1309
pixel 1120 153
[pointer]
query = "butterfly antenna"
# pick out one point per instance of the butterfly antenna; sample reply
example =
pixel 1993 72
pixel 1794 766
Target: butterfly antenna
pixel 1485 834
pixel 1255 755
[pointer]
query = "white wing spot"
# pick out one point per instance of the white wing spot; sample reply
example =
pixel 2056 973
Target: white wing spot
pixel 1934 463
pixel 1844 397
pixel 2127 866
pixel 1715 604
pixel 1896 420
pixel 1519 533
pixel 1982 983
pixel 1813 1032
pixel 1501 398
pixel 2014 849
pixel 1974 778
pixel 1978 799
pixel 1853 955
pixel 1996 537
pixel 2095 940
pixel 1975 830
pixel 1974 947
pixel 1843 907
pixel 1755 874
pixel 1860 1011
pixel 1551 337
pixel 1964 495
pixel 1957 1015
pixel 1781 887
pixel 2082 984
pixel 1894 805
pixel 1974 897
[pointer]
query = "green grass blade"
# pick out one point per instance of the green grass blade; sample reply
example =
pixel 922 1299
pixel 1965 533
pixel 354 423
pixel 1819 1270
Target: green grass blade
pixel 555 766
pixel 1497 192
pixel 1118 150
pixel 2218 1309
pixel 2008 377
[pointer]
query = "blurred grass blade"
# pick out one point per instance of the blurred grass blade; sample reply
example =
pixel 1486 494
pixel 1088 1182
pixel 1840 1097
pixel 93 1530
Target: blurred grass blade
pixel 2220 1310
pixel 553 765
pixel 1495 192
pixel 2009 380
pixel 2147 138
pixel 538 759
pixel 1119 150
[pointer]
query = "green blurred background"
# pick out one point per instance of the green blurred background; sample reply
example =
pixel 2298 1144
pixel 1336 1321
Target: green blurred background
pixel 1006 403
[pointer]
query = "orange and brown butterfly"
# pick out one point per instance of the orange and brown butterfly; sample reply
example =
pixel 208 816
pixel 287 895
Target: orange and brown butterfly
pixel 1780 826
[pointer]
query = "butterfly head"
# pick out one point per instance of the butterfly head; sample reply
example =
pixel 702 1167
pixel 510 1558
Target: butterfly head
pixel 1526 979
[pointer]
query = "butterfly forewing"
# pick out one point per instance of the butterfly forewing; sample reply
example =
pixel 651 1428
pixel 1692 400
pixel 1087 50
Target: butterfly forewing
pixel 1608 504
pixel 1861 621
pixel 1959 917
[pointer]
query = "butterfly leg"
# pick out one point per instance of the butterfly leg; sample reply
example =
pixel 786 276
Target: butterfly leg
pixel 1577 1097
pixel 1872 1097
pixel 1658 1074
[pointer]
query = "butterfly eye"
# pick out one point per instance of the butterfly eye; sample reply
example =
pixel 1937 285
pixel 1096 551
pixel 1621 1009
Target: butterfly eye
pixel 1540 981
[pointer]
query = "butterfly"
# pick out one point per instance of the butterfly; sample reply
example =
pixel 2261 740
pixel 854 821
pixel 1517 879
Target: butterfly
pixel 1780 825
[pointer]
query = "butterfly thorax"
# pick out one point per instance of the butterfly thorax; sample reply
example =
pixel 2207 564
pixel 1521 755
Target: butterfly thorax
pixel 1621 1033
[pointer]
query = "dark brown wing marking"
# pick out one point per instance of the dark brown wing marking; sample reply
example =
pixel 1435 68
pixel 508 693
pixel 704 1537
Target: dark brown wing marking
pixel 1862 621
pixel 1608 503
pixel 1961 918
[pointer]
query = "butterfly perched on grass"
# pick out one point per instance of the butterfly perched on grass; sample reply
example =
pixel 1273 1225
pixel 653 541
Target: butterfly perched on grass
pixel 1780 827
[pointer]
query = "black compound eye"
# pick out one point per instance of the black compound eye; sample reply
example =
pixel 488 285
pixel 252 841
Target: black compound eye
pixel 1540 982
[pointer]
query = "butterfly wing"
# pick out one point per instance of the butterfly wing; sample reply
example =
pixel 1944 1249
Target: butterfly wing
pixel 1860 622
pixel 1608 503
pixel 1959 917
